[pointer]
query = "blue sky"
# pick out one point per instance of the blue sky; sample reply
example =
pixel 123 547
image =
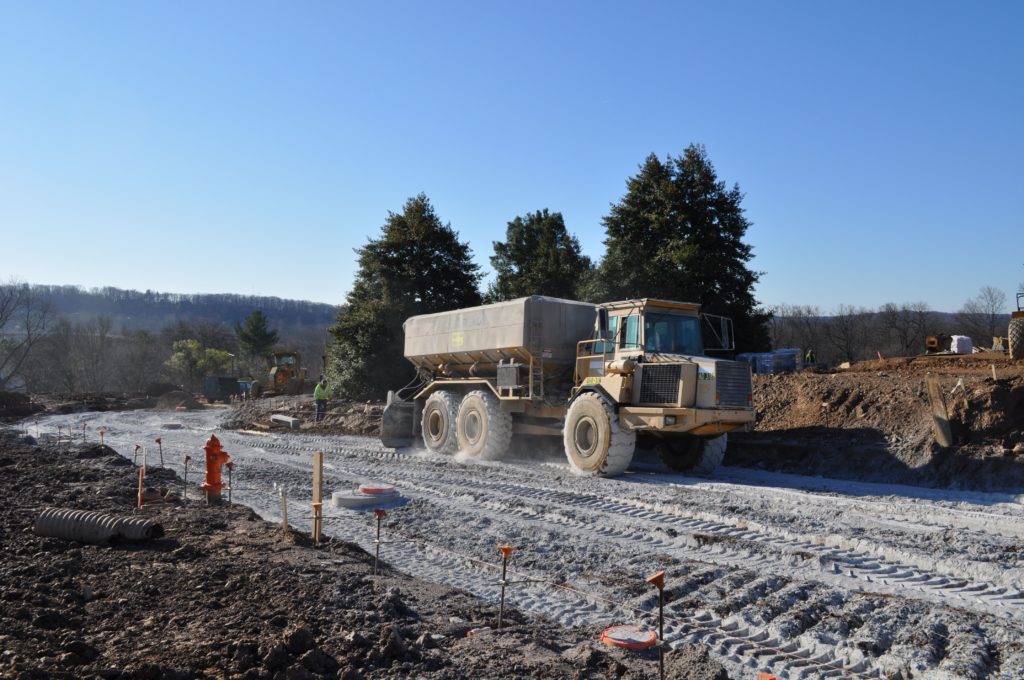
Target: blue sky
pixel 250 147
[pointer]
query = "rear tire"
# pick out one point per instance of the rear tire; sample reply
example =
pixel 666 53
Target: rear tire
pixel 694 455
pixel 1015 339
pixel 438 422
pixel 594 441
pixel 256 390
pixel 481 429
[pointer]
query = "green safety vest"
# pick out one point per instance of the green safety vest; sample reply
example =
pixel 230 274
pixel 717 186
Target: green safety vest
pixel 319 392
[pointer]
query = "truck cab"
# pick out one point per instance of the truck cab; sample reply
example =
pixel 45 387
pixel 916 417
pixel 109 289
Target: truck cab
pixel 649 359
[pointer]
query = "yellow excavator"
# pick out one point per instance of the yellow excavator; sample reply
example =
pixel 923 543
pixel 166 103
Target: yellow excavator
pixel 284 376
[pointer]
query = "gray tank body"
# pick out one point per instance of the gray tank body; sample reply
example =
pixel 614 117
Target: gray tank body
pixel 543 327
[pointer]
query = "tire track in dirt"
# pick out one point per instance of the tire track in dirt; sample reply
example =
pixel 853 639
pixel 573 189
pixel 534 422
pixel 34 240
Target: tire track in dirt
pixel 873 572
pixel 731 640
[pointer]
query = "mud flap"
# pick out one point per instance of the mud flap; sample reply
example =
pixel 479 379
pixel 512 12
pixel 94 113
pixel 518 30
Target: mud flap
pixel 397 425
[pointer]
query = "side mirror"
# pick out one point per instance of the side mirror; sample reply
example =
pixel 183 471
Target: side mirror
pixel 720 328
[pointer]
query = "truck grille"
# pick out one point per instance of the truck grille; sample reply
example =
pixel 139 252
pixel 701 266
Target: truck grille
pixel 659 383
pixel 733 383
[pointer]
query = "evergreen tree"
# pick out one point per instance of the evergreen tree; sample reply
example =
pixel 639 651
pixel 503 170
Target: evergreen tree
pixel 417 266
pixel 678 234
pixel 255 337
pixel 538 257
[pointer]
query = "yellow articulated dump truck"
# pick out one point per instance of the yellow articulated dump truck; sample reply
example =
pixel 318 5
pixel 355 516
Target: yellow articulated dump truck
pixel 598 376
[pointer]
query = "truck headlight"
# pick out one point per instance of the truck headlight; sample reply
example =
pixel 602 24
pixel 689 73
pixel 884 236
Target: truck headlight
pixel 670 420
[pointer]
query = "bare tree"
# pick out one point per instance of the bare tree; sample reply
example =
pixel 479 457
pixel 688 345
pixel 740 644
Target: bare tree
pixel 94 353
pixel 848 332
pixel 796 326
pixel 984 316
pixel 139 362
pixel 208 333
pixel 24 318
pixel 907 323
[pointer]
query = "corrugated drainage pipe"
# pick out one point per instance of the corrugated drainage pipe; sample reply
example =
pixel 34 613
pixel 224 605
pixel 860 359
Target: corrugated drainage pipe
pixel 94 527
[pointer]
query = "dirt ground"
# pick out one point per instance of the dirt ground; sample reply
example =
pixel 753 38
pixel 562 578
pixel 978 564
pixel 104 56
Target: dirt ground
pixel 223 594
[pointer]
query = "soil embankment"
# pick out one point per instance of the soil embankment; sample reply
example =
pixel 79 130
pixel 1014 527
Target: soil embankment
pixel 873 422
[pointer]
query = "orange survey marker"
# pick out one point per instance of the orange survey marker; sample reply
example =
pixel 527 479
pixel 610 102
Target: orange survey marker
pixel 377 489
pixel 630 637
pixel 765 676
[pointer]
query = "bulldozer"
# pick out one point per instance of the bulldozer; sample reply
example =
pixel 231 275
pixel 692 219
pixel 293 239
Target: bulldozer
pixel 1015 332
pixel 600 377
pixel 284 376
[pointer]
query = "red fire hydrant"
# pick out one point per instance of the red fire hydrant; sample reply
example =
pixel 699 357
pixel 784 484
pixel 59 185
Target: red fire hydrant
pixel 216 457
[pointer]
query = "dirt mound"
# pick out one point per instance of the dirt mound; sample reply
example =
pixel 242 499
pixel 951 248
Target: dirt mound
pixel 172 400
pixel 16 405
pixel 224 594
pixel 874 422
pixel 342 417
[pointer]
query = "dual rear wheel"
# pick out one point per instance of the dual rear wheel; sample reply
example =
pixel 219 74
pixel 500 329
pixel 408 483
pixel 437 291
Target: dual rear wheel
pixel 474 425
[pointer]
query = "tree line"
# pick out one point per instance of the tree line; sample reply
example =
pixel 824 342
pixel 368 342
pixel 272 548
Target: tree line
pixel 853 333
pixel 44 351
pixel 150 310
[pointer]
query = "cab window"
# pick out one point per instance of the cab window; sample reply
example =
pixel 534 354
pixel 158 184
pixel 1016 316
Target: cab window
pixel 630 332
pixel 609 346
pixel 672 334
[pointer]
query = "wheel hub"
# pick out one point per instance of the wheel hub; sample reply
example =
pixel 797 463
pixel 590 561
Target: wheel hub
pixel 434 426
pixel 585 436
pixel 473 427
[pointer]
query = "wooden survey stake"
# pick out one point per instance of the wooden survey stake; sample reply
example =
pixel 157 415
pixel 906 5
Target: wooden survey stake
pixel 940 417
pixel 318 495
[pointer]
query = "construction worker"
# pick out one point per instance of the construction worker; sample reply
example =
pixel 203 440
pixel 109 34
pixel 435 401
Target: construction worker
pixel 809 357
pixel 320 398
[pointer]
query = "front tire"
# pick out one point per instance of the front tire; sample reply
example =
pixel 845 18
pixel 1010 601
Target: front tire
pixel 438 422
pixel 595 443
pixel 694 455
pixel 482 431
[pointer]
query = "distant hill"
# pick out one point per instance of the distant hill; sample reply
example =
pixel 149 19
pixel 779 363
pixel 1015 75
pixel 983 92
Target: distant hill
pixel 133 310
